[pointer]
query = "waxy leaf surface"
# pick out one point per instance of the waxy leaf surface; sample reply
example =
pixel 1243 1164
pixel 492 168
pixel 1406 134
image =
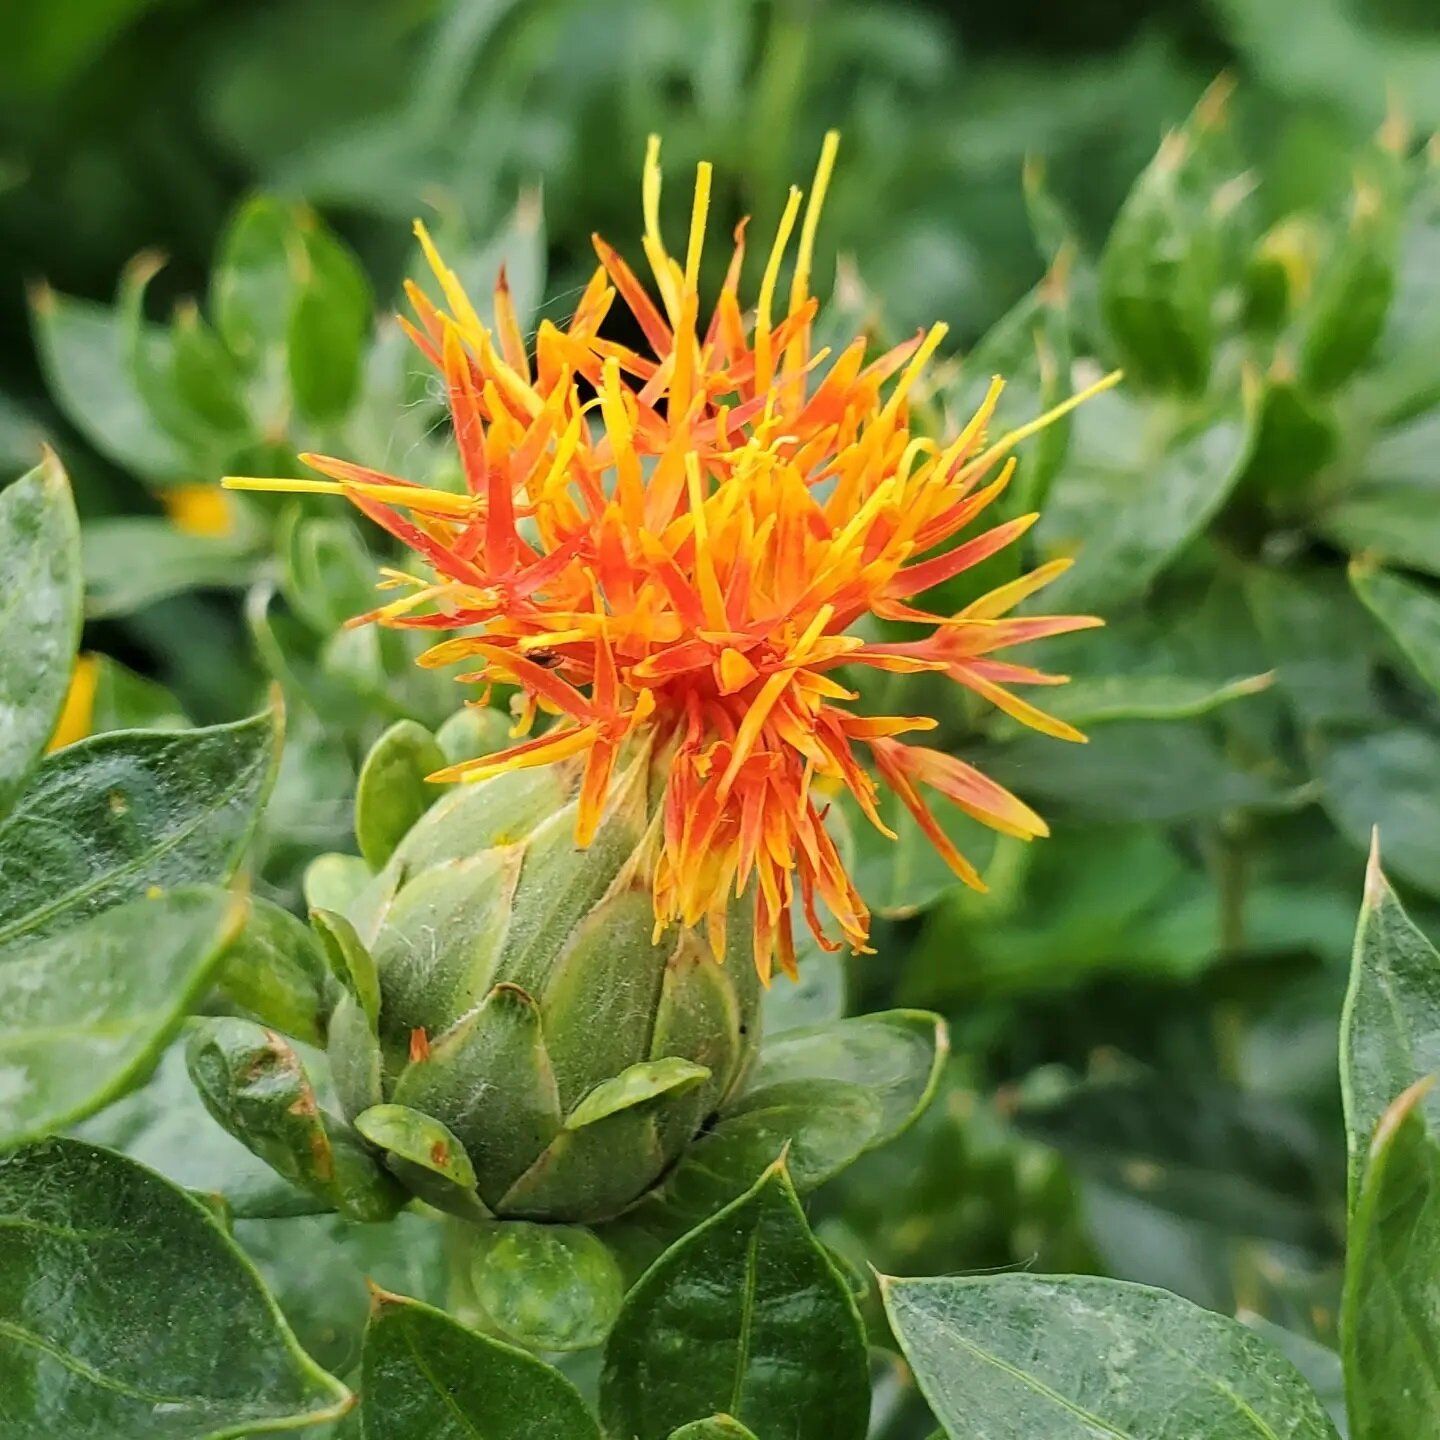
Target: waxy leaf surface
pixel 86 1013
pixel 424 1374
pixel 127 1314
pixel 746 1316
pixel 39 616
pixel 104 821
pixel 1017 1357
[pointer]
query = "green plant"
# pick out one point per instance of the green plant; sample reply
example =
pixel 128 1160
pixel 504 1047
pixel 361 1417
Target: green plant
pixel 1144 1004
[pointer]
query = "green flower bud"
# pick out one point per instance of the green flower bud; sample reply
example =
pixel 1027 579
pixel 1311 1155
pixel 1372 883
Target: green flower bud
pixel 528 1014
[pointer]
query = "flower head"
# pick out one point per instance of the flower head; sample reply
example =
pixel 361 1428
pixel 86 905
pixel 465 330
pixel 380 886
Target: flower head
pixel 671 547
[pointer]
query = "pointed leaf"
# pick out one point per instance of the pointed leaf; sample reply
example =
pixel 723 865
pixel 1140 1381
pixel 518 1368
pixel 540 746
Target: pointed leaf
pixel 80 1021
pixel 1410 612
pixel 426 1375
pixel 108 819
pixel 127 1314
pixel 745 1316
pixel 504 1036
pixel 1161 265
pixel 1352 297
pixel 1390 1027
pixel 1138 485
pixel 1014 1357
pixel 39 616
pixel 1390 1318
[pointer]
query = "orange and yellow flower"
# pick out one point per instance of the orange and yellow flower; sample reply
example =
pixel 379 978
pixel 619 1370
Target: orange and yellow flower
pixel 672 545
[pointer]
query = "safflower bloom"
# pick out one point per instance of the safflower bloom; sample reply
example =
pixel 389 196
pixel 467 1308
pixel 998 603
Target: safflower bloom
pixel 669 548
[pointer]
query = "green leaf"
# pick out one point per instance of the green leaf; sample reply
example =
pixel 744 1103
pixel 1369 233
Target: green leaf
pixel 426 1375
pixel 328 575
pixel 824 1095
pixel 393 792
pixel 717 1427
pixel 106 820
pixel 1014 1357
pixel 1129 771
pixel 127 1314
pixel 350 962
pixel 1253 1167
pixel 39 616
pixel 1319 1364
pixel 174 561
pixel 547 1287
pixel 419 1139
pixel 1295 438
pixel 335 882
pixel 1388 779
pixel 82 355
pixel 164 1124
pixel 1139 484
pixel 1319 640
pixel 250 290
pixel 328 325
pixel 187 379
pixel 124 700
pixel 276 970
pixel 472 732
pixel 1352 297
pixel 208 382
pixel 1160 269
pixel 636 1085
pixel 1390 1027
pixel 1390 1317
pixel 254 1085
pixel 80 1021
pixel 815 997
pixel 1410 612
pixel 895 1055
pixel 1389 510
pixel 322 1270
pixel 746 1316
pixel 1101 699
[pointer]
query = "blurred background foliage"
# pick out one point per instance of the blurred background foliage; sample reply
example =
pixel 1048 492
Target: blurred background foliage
pixel 1143 1007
